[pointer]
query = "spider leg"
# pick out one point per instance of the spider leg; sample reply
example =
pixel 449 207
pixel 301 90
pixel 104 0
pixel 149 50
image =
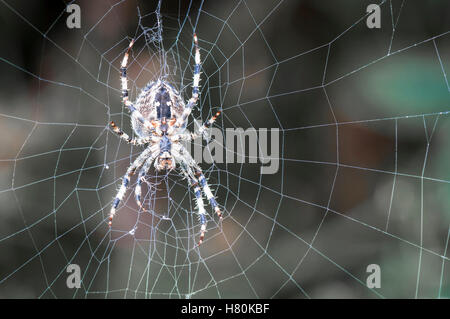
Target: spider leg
pixel 123 70
pixel 195 86
pixel 184 155
pixel 207 191
pixel 126 137
pixel 142 173
pixel 199 200
pixel 201 209
pixel 203 129
pixel 126 181
pixel 178 137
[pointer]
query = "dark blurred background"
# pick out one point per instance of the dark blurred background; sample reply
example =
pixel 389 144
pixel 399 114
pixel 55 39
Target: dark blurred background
pixel 364 175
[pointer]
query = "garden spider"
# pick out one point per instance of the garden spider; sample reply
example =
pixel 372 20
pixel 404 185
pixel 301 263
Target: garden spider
pixel 159 117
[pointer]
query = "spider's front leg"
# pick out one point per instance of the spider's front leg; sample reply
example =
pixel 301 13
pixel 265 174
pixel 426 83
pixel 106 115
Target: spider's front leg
pixel 142 173
pixel 126 180
pixel 207 191
pixel 187 171
pixel 195 86
pixel 192 165
pixel 200 207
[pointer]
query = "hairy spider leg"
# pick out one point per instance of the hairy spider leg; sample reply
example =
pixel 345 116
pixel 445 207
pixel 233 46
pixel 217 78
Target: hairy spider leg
pixel 126 181
pixel 134 113
pixel 207 125
pixel 207 191
pixel 201 209
pixel 142 173
pixel 127 138
pixel 179 153
pixel 186 165
pixel 184 155
pixel 212 120
pixel 195 86
pixel 192 136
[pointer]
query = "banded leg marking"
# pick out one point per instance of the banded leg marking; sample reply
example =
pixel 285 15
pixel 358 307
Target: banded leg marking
pixel 207 125
pixel 201 211
pixel 208 193
pixel 123 69
pixel 142 173
pixel 126 137
pixel 126 181
pixel 195 85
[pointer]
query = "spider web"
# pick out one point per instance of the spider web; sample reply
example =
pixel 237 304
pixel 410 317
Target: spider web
pixel 363 171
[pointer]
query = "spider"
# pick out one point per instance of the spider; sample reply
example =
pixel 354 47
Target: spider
pixel 159 117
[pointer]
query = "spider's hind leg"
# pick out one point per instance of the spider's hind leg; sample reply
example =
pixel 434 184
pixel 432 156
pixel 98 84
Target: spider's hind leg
pixel 195 85
pixel 123 73
pixel 124 80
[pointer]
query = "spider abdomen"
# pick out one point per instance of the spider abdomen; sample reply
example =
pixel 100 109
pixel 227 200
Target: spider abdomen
pixel 156 101
pixel 163 104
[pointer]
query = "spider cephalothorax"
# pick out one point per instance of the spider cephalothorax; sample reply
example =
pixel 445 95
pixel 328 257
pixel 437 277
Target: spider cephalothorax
pixel 159 117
